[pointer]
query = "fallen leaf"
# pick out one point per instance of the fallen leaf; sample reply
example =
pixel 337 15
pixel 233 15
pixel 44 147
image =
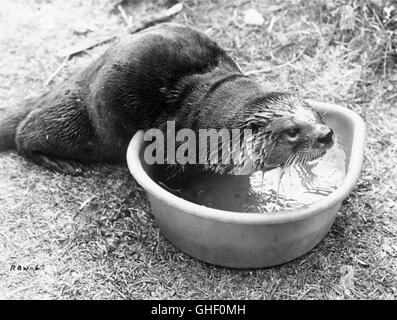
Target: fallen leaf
pixel 347 279
pixel 253 17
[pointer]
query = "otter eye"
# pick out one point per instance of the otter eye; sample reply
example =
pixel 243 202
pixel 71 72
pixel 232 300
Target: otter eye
pixel 292 134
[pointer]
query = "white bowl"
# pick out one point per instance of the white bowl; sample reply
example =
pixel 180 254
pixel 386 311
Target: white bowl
pixel 252 240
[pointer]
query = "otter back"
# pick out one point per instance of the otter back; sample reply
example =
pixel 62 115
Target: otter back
pixel 139 82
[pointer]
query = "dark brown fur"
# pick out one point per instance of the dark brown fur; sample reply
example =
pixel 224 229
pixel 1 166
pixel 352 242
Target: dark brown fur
pixel 165 72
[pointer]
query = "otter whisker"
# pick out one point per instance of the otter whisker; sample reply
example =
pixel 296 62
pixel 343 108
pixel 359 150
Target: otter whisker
pixel 300 158
pixel 271 151
pixel 279 183
pixel 296 160
pixel 339 142
pixel 306 159
pixel 297 156
pixel 291 159
pixel 339 137
pixel 288 161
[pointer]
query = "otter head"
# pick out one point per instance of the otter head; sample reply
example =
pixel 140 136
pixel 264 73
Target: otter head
pixel 286 131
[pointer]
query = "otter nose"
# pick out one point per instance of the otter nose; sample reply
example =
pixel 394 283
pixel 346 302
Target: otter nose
pixel 327 137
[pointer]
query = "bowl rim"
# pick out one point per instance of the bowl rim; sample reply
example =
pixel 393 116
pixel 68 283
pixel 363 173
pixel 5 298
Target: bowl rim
pixel 333 199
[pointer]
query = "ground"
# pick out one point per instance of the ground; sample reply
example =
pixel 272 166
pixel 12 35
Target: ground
pixel 94 237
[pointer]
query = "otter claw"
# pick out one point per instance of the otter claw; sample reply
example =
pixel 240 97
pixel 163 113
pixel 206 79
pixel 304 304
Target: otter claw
pixel 64 166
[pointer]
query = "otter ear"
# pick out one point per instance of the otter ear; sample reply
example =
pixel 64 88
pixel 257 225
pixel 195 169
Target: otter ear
pixel 256 121
pixel 262 119
pixel 253 126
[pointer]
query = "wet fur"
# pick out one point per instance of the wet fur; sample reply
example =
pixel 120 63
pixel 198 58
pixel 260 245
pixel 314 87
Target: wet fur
pixel 167 72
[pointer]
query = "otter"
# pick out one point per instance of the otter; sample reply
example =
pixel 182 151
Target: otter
pixel 165 72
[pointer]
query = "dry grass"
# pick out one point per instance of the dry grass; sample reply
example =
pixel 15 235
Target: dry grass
pixel 95 234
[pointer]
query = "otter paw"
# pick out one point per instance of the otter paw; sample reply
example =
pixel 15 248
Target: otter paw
pixel 64 166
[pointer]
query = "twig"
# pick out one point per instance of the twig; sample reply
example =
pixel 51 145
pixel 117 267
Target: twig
pixel 264 70
pixel 161 17
pixel 118 291
pixel 391 97
pixel 86 202
pixel 271 24
pixel 127 19
pixel 52 76
pixel 386 51
pixel 275 8
pixel 71 51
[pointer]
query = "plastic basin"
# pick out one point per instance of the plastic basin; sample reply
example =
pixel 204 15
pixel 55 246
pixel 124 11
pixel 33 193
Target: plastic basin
pixel 252 240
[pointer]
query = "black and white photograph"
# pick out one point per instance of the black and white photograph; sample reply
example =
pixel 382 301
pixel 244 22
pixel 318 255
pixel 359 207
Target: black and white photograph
pixel 206 151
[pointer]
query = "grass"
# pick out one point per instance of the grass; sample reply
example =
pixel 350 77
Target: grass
pixel 95 234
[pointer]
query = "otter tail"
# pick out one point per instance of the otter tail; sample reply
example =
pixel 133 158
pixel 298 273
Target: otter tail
pixel 10 117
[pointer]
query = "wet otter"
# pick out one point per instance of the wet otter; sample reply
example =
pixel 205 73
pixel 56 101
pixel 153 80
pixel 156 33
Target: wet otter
pixel 165 72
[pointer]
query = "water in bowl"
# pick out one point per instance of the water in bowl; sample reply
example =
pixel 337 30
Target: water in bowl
pixel 269 192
